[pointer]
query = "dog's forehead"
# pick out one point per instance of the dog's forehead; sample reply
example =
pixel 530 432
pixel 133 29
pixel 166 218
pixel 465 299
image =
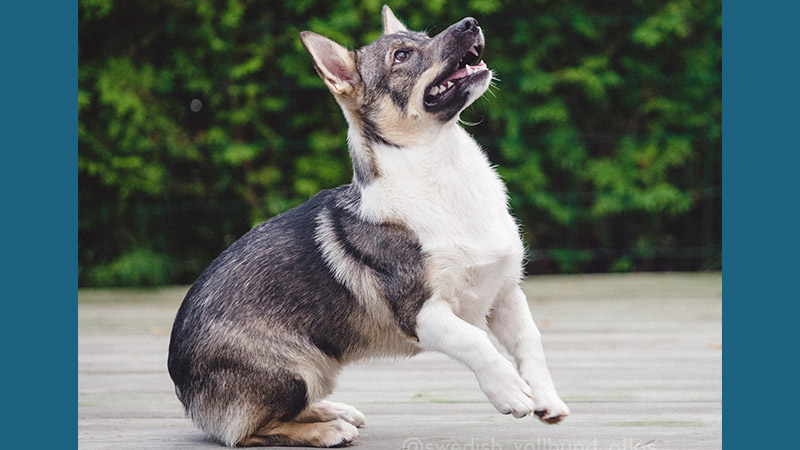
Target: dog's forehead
pixel 389 41
pixel 372 57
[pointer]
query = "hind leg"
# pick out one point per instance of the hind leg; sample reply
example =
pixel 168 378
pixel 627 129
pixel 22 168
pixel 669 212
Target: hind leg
pixel 324 411
pixel 332 433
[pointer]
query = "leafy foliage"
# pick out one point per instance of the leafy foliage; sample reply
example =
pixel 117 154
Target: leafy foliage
pixel 200 118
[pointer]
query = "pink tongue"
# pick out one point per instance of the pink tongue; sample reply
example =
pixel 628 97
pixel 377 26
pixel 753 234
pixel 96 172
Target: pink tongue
pixel 460 73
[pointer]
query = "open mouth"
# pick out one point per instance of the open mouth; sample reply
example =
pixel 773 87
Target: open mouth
pixel 467 69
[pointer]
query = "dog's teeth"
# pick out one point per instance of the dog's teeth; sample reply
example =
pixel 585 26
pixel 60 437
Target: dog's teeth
pixel 474 51
pixel 436 90
pixel 470 70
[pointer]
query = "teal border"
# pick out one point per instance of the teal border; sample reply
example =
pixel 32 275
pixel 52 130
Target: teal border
pixel 760 223
pixel 760 226
pixel 40 222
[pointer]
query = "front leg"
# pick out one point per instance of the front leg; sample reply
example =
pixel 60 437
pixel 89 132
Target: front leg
pixel 513 325
pixel 439 329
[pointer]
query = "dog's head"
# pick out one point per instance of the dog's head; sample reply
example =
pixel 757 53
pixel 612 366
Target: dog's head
pixel 405 84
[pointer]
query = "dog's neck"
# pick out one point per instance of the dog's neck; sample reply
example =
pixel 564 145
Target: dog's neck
pixel 448 179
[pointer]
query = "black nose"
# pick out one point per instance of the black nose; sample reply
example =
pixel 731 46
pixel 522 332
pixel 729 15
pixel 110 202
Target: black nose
pixel 467 25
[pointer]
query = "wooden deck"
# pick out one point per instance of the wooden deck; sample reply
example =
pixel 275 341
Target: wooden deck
pixel 637 357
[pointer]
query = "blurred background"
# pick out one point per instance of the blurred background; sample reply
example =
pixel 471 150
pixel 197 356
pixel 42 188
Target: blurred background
pixel 199 119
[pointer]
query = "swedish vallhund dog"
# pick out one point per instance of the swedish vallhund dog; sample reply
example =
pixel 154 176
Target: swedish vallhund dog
pixel 417 253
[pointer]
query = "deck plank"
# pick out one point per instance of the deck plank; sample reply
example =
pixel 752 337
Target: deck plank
pixel 637 357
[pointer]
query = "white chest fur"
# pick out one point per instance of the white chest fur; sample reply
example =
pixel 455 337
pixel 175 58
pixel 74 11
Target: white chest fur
pixel 449 195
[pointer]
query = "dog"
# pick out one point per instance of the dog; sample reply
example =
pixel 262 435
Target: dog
pixel 418 253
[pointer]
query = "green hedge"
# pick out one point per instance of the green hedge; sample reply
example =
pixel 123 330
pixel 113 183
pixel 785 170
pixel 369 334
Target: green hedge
pixel 199 119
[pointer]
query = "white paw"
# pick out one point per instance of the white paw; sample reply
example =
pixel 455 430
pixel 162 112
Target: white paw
pixel 325 411
pixel 348 414
pixel 337 433
pixel 507 392
pixel 550 408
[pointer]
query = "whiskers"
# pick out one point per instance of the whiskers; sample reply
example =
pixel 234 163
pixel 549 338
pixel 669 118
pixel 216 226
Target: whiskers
pixel 469 124
pixel 492 84
pixel 483 99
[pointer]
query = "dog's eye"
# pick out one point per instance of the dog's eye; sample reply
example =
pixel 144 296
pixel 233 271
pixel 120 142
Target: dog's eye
pixel 401 55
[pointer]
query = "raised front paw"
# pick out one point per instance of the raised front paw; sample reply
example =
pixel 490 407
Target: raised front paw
pixel 507 392
pixel 550 408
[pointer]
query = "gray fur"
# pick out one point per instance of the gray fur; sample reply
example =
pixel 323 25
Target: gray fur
pixel 380 78
pixel 269 309
pixel 365 167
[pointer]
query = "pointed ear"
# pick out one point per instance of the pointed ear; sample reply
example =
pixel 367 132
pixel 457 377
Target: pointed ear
pixel 335 64
pixel 390 23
